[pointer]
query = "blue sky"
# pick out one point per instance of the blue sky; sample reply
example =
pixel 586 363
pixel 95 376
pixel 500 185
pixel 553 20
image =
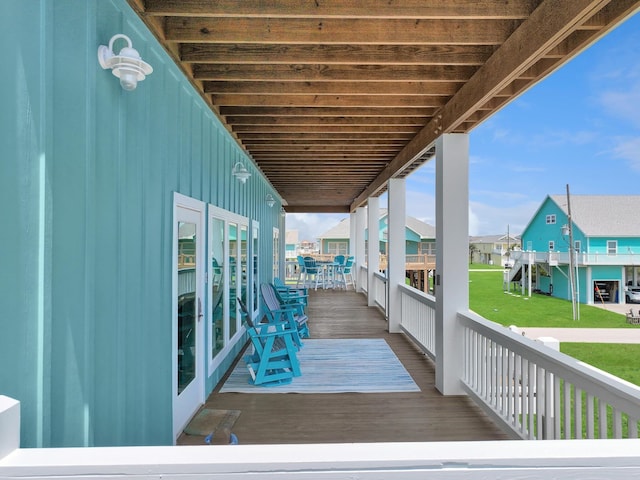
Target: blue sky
pixel 580 126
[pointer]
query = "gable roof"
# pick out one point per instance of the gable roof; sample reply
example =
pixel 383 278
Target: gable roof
pixel 342 229
pixel 494 238
pixel 603 215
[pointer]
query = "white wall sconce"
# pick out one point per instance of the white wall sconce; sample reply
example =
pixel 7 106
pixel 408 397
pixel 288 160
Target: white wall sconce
pixel 283 213
pixel 240 172
pixel 127 65
pixel 270 200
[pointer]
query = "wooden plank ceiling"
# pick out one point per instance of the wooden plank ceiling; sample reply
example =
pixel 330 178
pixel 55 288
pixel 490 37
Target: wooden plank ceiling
pixel 331 98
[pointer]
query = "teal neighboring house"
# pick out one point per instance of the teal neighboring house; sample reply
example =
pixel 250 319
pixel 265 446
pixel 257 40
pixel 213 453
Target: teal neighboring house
pixel 127 233
pixel 420 237
pixel 606 240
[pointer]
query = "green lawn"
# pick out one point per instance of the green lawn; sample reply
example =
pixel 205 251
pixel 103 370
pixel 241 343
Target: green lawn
pixel 619 359
pixel 487 298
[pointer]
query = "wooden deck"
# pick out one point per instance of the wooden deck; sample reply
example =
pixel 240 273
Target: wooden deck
pixel 355 417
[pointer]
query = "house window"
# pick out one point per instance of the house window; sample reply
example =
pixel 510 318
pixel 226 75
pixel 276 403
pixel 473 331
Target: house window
pixel 577 245
pixel 427 248
pixel 612 247
pixel 337 248
pixel 551 219
pixel 552 245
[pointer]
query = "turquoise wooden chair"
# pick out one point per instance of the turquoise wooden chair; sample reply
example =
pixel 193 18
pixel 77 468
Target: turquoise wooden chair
pixel 279 312
pixel 291 294
pixel 315 270
pixel 302 273
pixel 274 360
pixel 345 272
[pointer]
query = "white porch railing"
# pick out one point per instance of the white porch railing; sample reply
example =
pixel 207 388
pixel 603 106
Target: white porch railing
pixel 361 280
pixel 613 459
pixel 380 290
pixel 526 387
pixel 538 393
pixel 583 259
pixel 418 319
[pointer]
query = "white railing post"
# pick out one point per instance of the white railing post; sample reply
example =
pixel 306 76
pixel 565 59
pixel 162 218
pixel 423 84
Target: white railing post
pixel 396 251
pixel 373 253
pixel 9 425
pixel 361 222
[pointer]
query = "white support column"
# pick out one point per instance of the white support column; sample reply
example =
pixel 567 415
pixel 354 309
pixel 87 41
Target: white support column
pixel 452 252
pixel 361 224
pixel 396 250
pixel 353 236
pixel 373 254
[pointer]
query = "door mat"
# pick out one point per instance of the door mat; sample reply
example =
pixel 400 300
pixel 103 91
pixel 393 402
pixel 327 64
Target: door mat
pixel 210 420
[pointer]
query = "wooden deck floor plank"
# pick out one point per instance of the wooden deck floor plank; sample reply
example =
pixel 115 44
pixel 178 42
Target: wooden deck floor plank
pixel 355 417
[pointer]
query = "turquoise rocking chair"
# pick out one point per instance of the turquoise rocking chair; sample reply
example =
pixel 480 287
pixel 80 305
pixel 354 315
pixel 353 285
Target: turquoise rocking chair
pixel 279 312
pixel 290 294
pixel 274 360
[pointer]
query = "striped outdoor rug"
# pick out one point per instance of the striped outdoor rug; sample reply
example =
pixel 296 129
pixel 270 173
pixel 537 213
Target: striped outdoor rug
pixel 336 366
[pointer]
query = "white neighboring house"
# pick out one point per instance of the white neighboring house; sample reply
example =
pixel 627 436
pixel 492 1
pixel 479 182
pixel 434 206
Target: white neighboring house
pixel 493 249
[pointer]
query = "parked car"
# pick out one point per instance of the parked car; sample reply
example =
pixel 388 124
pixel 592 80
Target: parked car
pixel 632 295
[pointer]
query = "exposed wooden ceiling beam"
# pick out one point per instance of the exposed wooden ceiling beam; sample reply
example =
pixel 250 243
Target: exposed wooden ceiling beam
pixel 548 25
pixel 380 101
pixel 349 93
pixel 327 111
pixel 432 9
pixel 332 73
pixel 351 31
pixel 350 54
pixel 354 87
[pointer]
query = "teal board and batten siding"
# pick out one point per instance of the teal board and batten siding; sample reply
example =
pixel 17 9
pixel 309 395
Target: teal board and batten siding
pixel 538 233
pixel 624 245
pixel 87 178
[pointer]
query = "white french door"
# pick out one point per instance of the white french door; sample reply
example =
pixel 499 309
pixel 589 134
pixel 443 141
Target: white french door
pixel 188 352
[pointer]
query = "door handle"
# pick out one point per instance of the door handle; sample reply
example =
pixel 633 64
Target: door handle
pixel 200 314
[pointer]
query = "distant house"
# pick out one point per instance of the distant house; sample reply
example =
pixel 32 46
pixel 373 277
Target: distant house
pixel 291 244
pixel 493 249
pixel 606 240
pixel 420 237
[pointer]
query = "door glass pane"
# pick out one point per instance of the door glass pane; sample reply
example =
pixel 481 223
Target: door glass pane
pixel 186 304
pixel 217 286
pixel 254 277
pixel 276 252
pixel 233 278
pixel 243 262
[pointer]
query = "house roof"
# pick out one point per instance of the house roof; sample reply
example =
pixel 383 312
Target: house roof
pixel 342 229
pixel 494 238
pixel 291 236
pixel 603 215
pixel 333 98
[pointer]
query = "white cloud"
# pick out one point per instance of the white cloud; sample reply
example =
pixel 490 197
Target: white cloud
pixel 421 205
pixel 312 225
pixel 496 218
pixel 629 150
pixel 623 104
